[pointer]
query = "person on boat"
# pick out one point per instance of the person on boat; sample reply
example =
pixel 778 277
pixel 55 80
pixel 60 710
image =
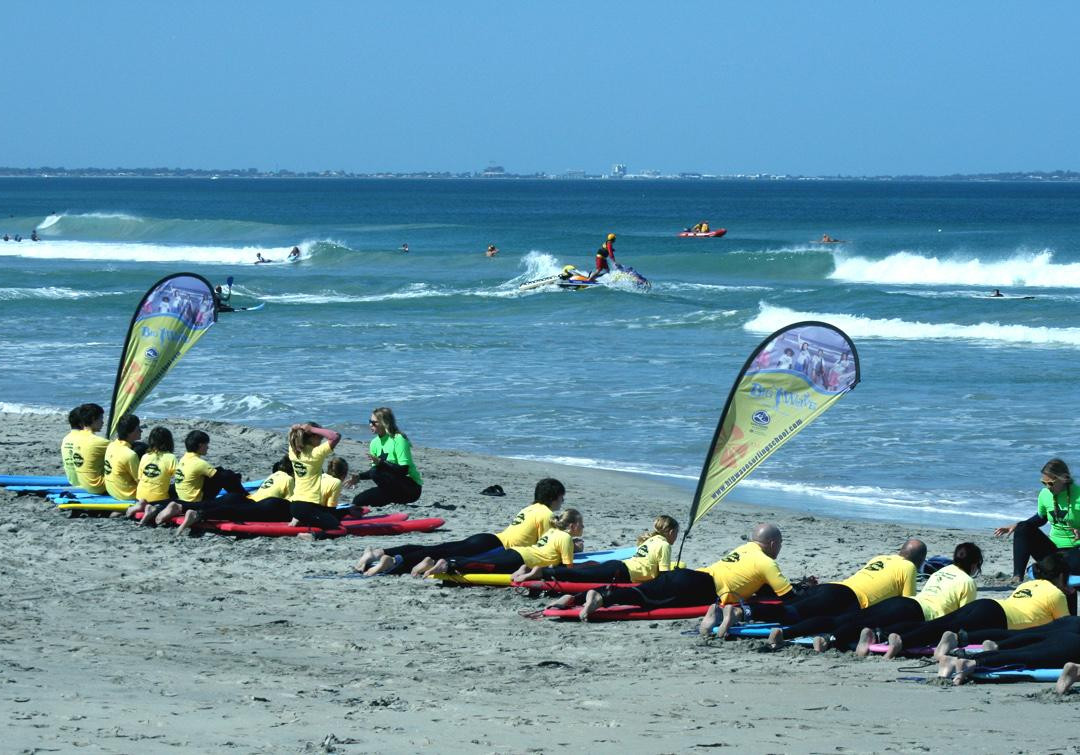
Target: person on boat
pixel 1058 504
pixel 569 271
pixel 527 526
pixel 653 556
pixel 603 254
pixel 259 259
pixel 294 254
pixel 703 226
pixel 396 478
pixel 492 250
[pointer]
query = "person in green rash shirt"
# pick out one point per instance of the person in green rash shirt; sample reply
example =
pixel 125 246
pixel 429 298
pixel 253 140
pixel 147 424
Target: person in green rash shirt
pixel 393 471
pixel 1059 504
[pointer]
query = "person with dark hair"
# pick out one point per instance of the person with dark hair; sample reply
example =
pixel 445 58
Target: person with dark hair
pixel 122 460
pixel 88 452
pixel 396 478
pixel 197 482
pixel 555 547
pixel 156 469
pixel 882 577
pixel 67 445
pixel 1034 603
pixel 948 589
pixel 1059 504
pixel 324 514
pixel 270 503
pixel 527 527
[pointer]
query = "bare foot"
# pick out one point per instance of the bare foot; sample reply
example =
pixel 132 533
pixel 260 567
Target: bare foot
pixel 305 536
pixel 566 601
pixel 525 573
pixel 946 645
pixel 439 567
pixel 191 518
pixel 422 568
pixel 384 564
pixel 989 645
pixel 167 513
pixel 710 620
pixel 728 615
pixel 821 644
pixel 149 516
pixel 367 557
pixel 867 637
pixel 1070 672
pixel 776 637
pixel 134 509
pixel 294 522
pixel 946 666
pixel 592 602
pixel 896 646
pixel 963 669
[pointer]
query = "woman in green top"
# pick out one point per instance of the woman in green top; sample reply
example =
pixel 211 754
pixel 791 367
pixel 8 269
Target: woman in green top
pixel 1059 504
pixel 392 469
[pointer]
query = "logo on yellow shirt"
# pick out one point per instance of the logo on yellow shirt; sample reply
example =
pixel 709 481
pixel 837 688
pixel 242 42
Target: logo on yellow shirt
pixel 518 519
pixel 299 468
pixel 267 483
pixel 77 458
pixel 642 551
pixel 179 475
pixel 1025 593
pixel 874 566
pixel 542 542
pixel 108 467
pixel 152 470
pixel 732 557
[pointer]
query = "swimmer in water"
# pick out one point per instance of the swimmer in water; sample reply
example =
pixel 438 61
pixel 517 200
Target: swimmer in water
pixel 259 259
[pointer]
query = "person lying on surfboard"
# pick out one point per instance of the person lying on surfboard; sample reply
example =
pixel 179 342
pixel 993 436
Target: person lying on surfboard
pixel 555 547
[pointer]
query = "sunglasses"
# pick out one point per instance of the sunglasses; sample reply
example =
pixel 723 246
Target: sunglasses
pixel 1050 483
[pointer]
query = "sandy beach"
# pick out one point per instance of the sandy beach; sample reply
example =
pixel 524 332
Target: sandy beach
pixel 118 639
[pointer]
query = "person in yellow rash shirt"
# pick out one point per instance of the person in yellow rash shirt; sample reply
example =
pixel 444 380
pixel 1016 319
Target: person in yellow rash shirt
pixel 652 557
pixel 735 577
pixel 882 577
pixel 198 482
pixel 270 503
pixel 121 460
pixel 156 469
pixel 525 529
pixel 1034 603
pixel 947 590
pixel 556 546
pixel 67 445
pixel 309 447
pixel 88 452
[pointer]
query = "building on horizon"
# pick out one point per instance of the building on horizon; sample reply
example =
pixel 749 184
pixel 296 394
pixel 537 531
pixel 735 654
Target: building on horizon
pixel 618 170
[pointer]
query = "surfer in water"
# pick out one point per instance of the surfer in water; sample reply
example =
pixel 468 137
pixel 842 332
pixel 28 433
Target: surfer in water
pixel 221 299
pixel 294 255
pixel 997 293
pixel 34 236
pixel 260 260
pixel 492 250
pixel 405 248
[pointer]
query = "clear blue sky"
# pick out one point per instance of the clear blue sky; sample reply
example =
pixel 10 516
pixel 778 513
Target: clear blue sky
pixel 782 87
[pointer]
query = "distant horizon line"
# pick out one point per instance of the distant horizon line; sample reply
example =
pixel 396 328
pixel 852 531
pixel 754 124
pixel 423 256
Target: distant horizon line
pixel 498 173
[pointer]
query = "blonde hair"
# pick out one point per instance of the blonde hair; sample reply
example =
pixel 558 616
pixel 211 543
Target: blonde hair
pixel 663 526
pixel 385 415
pixel 566 519
pixel 298 438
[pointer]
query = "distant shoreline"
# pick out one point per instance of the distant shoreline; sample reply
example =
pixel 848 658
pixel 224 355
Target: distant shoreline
pixel 251 174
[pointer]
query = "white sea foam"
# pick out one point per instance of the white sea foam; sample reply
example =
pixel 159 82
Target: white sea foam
pixel 52 292
pixel 213 404
pixel 770 318
pixel 1032 269
pixel 13 408
pixel 139 252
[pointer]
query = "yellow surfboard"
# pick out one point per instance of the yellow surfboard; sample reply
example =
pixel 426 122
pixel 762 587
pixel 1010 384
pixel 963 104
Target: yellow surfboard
pixel 94 506
pixel 490 580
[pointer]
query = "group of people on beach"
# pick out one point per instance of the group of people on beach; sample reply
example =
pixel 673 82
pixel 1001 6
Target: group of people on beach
pixel 303 489
pixel 1034 627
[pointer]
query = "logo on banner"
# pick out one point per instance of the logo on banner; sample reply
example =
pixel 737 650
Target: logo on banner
pixel 761 418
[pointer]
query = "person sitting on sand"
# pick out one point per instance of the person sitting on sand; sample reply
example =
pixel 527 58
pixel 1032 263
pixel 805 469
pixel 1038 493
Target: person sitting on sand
pixel 156 469
pixel 310 445
pixel 270 503
pixel 653 556
pixel 88 452
pixel 734 578
pixel 882 577
pixel 198 482
pixel 947 590
pixel 1058 504
pixel 326 515
pixel 1034 603
pixel 396 478
pixel 1048 646
pixel 492 250
pixel 525 529
pixel 67 445
pixel 556 546
pixel 122 459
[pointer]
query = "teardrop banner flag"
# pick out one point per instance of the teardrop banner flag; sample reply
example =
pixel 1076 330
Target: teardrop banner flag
pixel 789 380
pixel 170 318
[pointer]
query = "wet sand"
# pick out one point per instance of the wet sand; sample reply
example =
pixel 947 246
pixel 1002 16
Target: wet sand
pixel 120 639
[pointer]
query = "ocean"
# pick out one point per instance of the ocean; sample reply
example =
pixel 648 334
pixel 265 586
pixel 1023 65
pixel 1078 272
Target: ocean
pixel 962 399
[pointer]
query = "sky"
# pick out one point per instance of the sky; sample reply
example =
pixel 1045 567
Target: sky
pixel 821 88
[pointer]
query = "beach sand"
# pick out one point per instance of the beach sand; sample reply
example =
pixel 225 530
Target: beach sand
pixel 121 639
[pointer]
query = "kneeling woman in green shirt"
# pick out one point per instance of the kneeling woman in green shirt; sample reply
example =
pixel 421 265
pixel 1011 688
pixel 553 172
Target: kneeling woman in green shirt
pixel 396 477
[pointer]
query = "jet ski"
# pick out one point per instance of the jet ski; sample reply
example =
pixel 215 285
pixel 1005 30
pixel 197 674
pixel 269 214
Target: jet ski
pixel 715 234
pixel 572 279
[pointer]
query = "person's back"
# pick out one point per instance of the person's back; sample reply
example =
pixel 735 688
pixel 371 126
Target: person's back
pixel 651 557
pixel 744 571
pixel 67 446
pixel 947 590
pixel 121 470
pixel 278 485
pixel 882 577
pixel 88 452
pixel 1034 603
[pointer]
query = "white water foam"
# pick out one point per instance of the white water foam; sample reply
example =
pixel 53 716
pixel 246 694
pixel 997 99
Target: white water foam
pixel 213 404
pixel 52 292
pixel 12 408
pixel 770 319
pixel 1032 269
pixel 126 252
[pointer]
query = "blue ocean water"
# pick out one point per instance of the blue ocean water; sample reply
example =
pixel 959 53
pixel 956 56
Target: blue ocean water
pixel 963 397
